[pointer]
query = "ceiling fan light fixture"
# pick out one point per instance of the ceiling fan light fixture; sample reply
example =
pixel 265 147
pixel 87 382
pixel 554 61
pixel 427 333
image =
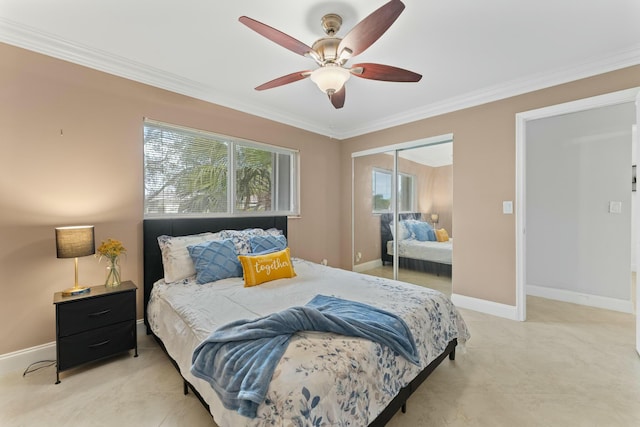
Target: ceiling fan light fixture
pixel 331 53
pixel 330 78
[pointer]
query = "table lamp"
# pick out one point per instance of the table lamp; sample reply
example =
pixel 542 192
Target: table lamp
pixel 434 219
pixel 74 242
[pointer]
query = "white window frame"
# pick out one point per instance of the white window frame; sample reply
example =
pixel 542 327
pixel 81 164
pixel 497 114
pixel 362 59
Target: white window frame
pixel 232 143
pixel 412 201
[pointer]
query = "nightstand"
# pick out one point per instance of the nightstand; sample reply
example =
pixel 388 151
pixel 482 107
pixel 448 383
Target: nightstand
pixel 96 325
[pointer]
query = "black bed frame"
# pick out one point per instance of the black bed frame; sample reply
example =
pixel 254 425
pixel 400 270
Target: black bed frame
pixel 153 271
pixel 409 263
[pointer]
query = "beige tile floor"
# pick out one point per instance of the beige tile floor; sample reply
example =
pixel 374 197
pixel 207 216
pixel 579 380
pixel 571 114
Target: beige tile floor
pixel 567 365
pixel 440 283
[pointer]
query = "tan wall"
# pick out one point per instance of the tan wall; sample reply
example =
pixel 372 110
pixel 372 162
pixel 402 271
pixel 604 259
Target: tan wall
pixel 71 154
pixel 433 195
pixel 483 176
pixel 443 197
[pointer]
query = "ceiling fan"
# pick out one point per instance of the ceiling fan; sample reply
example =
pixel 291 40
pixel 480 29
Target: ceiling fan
pixel 331 53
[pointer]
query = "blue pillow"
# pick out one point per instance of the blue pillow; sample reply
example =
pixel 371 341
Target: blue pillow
pixel 267 243
pixel 215 260
pixel 408 225
pixel 422 231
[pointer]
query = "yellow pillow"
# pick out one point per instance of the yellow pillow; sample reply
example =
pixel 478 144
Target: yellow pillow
pixel 442 235
pixel 258 269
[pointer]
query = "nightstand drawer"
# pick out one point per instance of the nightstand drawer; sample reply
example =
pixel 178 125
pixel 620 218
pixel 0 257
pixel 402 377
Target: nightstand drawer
pixel 96 344
pixel 90 313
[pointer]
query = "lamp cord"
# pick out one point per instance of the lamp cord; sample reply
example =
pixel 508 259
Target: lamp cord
pixel 31 369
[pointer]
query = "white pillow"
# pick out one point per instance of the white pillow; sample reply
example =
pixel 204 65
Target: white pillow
pixel 402 230
pixel 176 261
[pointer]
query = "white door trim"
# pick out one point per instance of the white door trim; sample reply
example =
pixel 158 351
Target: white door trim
pixel 628 95
pixel 432 140
pixel 637 226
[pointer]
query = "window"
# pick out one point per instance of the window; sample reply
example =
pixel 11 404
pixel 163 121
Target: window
pixel 381 185
pixel 188 172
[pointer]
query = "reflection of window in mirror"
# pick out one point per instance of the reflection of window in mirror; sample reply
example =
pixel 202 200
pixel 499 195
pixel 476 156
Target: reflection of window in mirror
pixel 381 186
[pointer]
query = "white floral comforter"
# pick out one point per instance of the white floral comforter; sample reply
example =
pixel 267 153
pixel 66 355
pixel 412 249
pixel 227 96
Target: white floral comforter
pixel 322 379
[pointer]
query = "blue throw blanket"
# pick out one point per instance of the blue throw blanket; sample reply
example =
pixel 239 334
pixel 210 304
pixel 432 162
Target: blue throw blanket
pixel 239 359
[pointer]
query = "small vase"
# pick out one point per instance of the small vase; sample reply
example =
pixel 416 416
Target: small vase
pixel 113 273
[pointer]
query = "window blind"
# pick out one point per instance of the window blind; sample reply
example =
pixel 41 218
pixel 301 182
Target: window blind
pixel 192 172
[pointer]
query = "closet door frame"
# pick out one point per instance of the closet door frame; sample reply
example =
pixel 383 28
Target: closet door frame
pixel 396 148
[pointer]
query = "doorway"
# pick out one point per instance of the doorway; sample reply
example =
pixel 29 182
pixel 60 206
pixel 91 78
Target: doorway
pixel 572 206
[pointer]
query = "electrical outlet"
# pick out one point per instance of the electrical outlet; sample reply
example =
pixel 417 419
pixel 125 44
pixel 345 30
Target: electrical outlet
pixel 358 256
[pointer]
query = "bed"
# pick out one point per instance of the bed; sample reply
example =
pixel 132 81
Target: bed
pixel 323 378
pixel 428 256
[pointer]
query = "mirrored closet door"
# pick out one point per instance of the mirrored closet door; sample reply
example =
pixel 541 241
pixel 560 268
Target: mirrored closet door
pixel 405 191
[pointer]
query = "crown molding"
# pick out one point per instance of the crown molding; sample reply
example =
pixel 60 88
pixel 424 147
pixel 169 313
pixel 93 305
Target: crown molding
pixel 36 40
pixel 48 44
pixel 33 39
pixel 615 61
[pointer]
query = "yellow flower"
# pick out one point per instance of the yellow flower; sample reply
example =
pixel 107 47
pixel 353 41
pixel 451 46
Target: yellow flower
pixel 111 249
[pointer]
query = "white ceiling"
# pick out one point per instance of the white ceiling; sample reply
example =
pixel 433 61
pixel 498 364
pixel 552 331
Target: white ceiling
pixel 435 155
pixel 468 51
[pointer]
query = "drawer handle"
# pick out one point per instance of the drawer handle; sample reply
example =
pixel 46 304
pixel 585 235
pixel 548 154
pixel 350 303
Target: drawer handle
pixel 100 344
pixel 99 313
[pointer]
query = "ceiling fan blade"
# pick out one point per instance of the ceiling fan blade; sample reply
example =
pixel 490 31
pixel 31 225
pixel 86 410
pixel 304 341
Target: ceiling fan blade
pixel 385 73
pixel 337 99
pixel 276 36
pixel 371 28
pixel 289 78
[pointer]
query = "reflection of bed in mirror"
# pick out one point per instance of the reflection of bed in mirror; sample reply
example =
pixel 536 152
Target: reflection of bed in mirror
pixel 428 256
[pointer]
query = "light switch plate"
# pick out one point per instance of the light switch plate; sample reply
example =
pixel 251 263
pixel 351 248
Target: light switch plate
pixel 615 207
pixel 507 207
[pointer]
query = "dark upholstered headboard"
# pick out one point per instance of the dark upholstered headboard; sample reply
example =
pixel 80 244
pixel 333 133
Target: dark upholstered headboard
pixel 152 228
pixel 385 231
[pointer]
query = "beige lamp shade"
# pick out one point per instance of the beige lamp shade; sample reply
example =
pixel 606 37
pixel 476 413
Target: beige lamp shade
pixel 434 218
pixel 76 241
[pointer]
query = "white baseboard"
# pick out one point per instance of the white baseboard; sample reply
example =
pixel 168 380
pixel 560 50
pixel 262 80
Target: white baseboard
pixel 580 298
pixel 484 306
pixel 359 268
pixel 21 359
pixel 18 361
